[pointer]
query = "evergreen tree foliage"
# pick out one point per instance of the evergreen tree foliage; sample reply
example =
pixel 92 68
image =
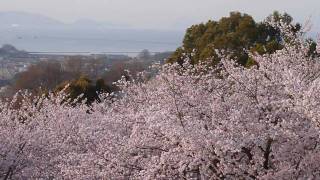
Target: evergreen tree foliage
pixel 83 89
pixel 234 34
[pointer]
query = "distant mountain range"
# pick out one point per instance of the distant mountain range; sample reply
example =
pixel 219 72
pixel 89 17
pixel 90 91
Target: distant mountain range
pixel 36 21
pixel 26 20
pixel 33 32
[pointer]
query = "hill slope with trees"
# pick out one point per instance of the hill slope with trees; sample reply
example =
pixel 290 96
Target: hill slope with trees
pixel 234 34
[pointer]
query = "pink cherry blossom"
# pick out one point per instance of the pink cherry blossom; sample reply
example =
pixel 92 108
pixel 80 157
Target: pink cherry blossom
pixel 188 122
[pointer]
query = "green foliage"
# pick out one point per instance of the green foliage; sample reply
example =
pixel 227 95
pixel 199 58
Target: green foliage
pixel 176 56
pixel 234 34
pixel 85 87
pixel 312 48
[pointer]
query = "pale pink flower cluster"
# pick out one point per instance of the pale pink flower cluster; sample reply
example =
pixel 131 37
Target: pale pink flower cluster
pixel 318 45
pixel 190 122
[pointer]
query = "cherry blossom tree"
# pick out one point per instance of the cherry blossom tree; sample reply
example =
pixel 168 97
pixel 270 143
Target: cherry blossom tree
pixel 188 122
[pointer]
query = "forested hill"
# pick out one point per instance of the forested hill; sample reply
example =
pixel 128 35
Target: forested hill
pixel 10 51
pixel 235 34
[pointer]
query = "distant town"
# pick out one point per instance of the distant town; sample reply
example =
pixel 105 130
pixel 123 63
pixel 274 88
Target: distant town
pixel 15 64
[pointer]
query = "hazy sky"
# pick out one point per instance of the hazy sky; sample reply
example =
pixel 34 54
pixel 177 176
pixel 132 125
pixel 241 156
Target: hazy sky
pixel 164 14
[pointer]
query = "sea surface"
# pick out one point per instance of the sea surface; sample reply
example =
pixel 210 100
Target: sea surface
pixel 112 42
